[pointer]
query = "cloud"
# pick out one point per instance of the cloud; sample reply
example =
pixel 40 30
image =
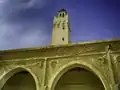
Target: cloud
pixel 14 36
pixel 15 33
pixel 35 37
pixel 37 3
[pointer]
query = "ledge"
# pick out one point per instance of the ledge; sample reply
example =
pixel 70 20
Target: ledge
pixel 65 45
pixel 61 50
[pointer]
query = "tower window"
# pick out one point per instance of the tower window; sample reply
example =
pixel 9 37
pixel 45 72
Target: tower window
pixel 63 26
pixel 63 14
pixel 60 15
pixel 63 38
pixel 58 25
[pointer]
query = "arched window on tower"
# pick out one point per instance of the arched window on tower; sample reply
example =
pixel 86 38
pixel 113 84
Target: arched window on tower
pixel 63 14
pixel 60 15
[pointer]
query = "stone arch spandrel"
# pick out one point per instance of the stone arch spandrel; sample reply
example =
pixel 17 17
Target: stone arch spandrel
pixel 13 71
pixel 55 77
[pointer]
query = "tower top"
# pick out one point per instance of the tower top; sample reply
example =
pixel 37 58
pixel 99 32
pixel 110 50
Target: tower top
pixel 62 10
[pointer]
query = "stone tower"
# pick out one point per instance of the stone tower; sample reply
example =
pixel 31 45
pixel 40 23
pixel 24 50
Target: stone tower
pixel 61 28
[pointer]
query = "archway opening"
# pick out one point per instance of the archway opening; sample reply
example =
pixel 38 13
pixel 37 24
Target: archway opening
pixel 22 80
pixel 79 79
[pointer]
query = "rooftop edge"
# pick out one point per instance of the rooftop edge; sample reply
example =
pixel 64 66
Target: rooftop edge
pixel 55 46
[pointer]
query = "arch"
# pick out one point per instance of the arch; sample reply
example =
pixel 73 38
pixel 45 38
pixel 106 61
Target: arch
pixel 53 81
pixel 10 73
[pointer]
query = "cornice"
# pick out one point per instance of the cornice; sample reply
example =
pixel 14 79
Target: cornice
pixel 53 57
pixel 65 45
pixel 61 50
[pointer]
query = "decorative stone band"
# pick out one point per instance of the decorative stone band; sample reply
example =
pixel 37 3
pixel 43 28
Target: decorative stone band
pixel 53 57
pixel 60 50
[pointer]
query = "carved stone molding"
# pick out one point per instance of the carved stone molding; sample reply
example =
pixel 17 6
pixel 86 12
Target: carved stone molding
pixel 68 49
pixel 23 59
pixel 36 64
pixel 24 62
pixel 102 60
pixel 54 63
pixel 2 71
pixel 118 59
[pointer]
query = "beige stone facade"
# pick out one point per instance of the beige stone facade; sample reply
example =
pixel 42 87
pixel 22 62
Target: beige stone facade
pixel 74 66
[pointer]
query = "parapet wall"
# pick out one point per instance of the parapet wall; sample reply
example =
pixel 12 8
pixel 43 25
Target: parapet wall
pixel 61 50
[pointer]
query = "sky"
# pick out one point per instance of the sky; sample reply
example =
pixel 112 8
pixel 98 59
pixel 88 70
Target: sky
pixel 28 23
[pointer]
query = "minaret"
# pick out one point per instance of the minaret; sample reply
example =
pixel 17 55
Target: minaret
pixel 61 28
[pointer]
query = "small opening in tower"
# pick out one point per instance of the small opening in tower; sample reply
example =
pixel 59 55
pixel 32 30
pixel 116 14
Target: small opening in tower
pixel 63 14
pixel 63 38
pixel 63 26
pixel 60 15
pixel 58 25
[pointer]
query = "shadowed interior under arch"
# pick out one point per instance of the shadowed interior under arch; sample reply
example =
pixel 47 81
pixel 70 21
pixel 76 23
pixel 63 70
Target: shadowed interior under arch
pixel 22 80
pixel 79 79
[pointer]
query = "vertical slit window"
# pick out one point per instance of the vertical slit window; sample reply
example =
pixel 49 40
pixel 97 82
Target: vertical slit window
pixel 60 14
pixel 58 25
pixel 63 14
pixel 63 26
pixel 63 38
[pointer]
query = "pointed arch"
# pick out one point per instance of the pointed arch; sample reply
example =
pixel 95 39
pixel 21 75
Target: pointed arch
pixel 14 71
pixel 53 81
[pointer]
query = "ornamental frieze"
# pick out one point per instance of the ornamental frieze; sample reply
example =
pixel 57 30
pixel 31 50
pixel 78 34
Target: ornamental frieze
pixel 118 59
pixel 99 61
pixel 50 51
pixel 102 60
pixel 77 50
pixel 23 62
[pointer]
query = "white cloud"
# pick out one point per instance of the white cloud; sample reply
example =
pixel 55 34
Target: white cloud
pixel 12 37
pixel 33 38
pixel 20 34
pixel 3 1
pixel 37 3
pixel 16 36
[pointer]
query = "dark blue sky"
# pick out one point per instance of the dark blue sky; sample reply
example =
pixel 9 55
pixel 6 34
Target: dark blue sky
pixel 28 23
